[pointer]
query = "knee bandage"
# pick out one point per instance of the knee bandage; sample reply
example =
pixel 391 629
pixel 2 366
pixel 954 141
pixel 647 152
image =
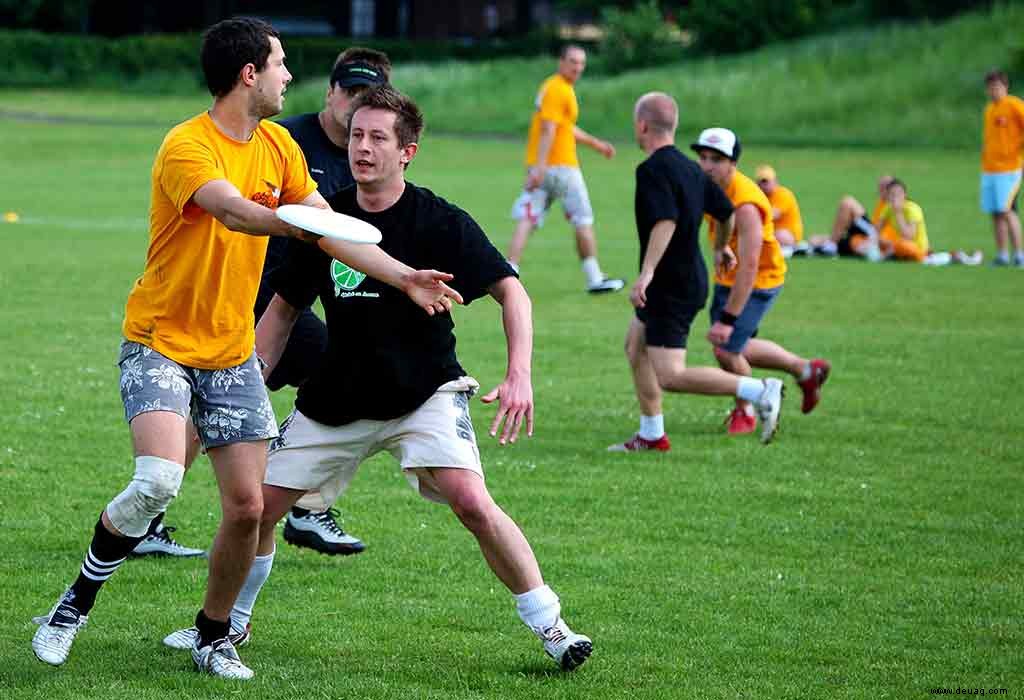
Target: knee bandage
pixel 152 488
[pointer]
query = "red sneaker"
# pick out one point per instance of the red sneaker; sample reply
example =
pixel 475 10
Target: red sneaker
pixel 812 386
pixel 639 444
pixel 740 422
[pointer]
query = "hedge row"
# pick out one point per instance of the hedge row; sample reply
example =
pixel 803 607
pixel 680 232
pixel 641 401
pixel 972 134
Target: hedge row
pixel 37 59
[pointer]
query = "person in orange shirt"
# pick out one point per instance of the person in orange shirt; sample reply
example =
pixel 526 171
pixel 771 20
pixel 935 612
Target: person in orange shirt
pixel 789 225
pixel 1002 155
pixel 553 170
pixel 853 233
pixel 190 333
pixel 746 291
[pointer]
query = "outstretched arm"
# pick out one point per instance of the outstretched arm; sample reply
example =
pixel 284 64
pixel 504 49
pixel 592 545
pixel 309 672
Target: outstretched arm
pixel 599 145
pixel 515 393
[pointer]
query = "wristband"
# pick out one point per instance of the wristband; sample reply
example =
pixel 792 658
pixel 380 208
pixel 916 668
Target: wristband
pixel 726 318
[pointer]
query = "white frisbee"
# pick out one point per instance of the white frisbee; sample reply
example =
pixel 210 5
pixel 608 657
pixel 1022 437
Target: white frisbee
pixel 329 224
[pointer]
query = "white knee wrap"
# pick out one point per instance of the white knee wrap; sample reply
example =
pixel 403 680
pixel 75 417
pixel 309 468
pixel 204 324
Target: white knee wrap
pixel 152 488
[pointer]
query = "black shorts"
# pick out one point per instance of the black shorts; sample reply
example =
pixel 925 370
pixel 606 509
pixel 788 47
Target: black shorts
pixel 307 345
pixel 667 324
pixel 860 227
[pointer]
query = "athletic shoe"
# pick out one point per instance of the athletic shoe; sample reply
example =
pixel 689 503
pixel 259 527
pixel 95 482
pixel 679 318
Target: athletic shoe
pixel 568 649
pixel 608 284
pixel 740 422
pixel 802 249
pixel 962 257
pixel 57 629
pixel 320 531
pixel 160 543
pixel 812 385
pixel 769 408
pixel 1018 260
pixel 999 261
pixel 186 638
pixel 639 444
pixel 220 659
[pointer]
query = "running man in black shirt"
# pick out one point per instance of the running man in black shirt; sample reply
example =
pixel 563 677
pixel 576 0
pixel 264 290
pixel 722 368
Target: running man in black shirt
pixel 391 379
pixel 672 194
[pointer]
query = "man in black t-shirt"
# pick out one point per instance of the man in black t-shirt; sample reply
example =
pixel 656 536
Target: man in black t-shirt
pixel 391 379
pixel 323 138
pixel 672 194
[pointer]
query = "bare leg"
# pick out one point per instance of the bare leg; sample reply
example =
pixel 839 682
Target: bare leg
pixel 648 392
pixel 673 374
pixel 501 541
pixel 239 468
pixel 277 501
pixel 734 363
pixel 1001 228
pixel 770 355
pixel 1013 225
pixel 519 237
pixel 785 237
pixel 849 211
pixel 586 243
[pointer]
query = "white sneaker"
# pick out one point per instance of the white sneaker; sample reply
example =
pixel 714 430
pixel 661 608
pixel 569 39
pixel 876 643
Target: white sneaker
pixel 220 659
pixel 608 284
pixel 57 629
pixel 769 408
pixel 568 649
pixel 161 543
pixel 185 639
pixel 320 531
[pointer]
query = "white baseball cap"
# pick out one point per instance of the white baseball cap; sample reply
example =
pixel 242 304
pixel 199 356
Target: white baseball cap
pixel 721 140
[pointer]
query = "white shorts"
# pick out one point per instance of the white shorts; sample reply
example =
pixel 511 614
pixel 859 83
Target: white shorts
pixel 313 456
pixel 560 182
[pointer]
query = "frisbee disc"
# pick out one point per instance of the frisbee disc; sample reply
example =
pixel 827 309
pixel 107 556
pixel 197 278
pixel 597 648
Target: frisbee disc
pixel 329 224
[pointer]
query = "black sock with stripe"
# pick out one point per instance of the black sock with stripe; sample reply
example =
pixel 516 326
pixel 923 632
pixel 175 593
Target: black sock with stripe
pixel 106 552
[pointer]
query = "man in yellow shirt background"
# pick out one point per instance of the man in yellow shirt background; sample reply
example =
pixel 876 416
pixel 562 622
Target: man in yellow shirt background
pixel 903 235
pixel 745 292
pixel 1002 155
pixel 789 224
pixel 553 170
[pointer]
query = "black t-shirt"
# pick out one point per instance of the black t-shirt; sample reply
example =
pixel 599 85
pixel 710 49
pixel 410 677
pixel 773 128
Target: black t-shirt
pixel 385 355
pixel 671 186
pixel 328 165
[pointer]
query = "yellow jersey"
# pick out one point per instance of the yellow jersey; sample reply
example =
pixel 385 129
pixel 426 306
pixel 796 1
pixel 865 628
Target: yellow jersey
pixel 556 102
pixel 784 200
pixel 194 300
pixel 1002 142
pixel 912 214
pixel 771 266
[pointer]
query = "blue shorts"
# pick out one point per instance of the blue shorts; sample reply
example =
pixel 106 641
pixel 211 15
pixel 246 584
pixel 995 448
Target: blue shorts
pixel 746 324
pixel 999 192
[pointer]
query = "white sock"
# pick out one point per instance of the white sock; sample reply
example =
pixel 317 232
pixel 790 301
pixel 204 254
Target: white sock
pixel 539 609
pixel 592 271
pixel 805 374
pixel 749 389
pixel 652 427
pixel 241 613
pixel 1019 256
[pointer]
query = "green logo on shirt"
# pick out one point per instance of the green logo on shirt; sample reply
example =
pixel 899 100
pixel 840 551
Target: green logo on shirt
pixel 345 278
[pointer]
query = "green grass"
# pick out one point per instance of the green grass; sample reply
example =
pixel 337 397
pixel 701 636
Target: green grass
pixel 872 551
pixel 913 84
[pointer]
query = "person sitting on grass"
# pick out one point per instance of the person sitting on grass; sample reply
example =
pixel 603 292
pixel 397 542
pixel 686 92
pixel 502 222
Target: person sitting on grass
pixel 853 233
pixel 789 225
pixel 903 234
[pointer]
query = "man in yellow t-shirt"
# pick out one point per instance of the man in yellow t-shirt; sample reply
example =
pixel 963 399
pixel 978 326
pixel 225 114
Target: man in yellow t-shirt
pixel 189 331
pixel 1002 155
pixel 903 234
pixel 789 225
pixel 744 292
pixel 553 170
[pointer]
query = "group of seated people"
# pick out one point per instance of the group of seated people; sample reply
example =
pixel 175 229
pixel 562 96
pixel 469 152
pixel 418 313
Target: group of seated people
pixel 896 229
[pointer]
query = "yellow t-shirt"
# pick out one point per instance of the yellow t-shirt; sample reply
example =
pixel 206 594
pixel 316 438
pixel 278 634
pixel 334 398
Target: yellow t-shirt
pixel 556 102
pixel 194 300
pixel 1002 143
pixel 912 214
pixel 876 213
pixel 784 200
pixel 771 267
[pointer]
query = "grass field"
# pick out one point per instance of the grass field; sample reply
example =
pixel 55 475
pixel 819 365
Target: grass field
pixel 874 550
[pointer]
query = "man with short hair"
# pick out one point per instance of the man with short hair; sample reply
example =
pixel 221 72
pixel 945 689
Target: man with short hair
pixel 189 330
pixel 904 235
pixel 745 293
pixel 853 233
pixel 553 170
pixel 1002 155
pixel 671 195
pixel 789 225
pixel 323 138
pixel 411 394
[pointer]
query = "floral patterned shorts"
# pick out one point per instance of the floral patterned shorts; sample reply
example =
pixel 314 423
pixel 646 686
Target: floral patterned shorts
pixel 227 405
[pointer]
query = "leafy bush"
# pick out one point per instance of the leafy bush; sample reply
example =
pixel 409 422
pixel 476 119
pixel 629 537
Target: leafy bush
pixel 637 38
pixel 732 26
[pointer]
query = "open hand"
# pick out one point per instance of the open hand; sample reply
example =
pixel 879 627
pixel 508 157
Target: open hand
pixel 515 405
pixel 428 290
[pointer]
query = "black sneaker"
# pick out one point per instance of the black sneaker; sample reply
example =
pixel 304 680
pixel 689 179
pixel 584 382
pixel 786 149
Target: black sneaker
pixel 160 543
pixel 321 532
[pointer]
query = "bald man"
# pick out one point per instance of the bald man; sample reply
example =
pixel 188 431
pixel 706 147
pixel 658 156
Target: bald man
pixel 672 195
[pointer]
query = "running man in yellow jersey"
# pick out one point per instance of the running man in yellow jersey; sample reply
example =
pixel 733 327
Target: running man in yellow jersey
pixel 789 224
pixel 189 330
pixel 553 170
pixel 744 293
pixel 1002 155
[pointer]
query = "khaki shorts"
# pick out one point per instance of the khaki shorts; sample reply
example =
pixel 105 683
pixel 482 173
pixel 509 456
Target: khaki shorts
pixel 560 182
pixel 313 456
